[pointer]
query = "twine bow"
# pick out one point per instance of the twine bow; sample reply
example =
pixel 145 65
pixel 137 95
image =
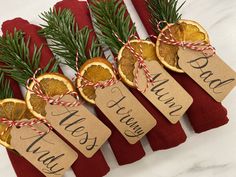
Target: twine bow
pixel 30 123
pixel 170 40
pixel 54 101
pixel 140 60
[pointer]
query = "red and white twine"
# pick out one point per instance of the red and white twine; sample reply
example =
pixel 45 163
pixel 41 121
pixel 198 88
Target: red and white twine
pixel 30 123
pixel 54 101
pixel 170 40
pixel 139 57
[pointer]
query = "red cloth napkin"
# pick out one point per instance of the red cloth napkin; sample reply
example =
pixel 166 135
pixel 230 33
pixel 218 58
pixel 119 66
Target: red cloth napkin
pixel 205 113
pixel 164 135
pixel 124 152
pixel 22 167
pixel 18 162
pixel 82 166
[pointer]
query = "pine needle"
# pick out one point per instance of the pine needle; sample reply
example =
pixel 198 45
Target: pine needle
pixel 14 53
pixel 6 91
pixel 66 39
pixel 164 10
pixel 111 18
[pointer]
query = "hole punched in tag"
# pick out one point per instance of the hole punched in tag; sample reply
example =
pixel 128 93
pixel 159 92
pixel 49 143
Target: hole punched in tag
pixel 145 73
pixel 97 84
pixel 182 34
pixel 66 113
pixel 185 47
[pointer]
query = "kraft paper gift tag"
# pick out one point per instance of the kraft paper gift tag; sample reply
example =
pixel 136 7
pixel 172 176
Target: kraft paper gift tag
pixel 124 111
pixel 79 126
pixel 47 152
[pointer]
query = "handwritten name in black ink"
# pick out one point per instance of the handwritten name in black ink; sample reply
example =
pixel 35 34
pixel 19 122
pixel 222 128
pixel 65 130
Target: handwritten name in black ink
pixel 76 128
pixel 44 156
pixel 125 115
pixel 216 84
pixel 164 96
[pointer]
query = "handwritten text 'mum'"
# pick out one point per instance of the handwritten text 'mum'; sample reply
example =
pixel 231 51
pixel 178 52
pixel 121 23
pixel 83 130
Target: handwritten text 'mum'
pixel 164 96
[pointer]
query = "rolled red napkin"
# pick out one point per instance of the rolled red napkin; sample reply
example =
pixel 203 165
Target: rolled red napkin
pixel 83 167
pixel 164 135
pixel 124 152
pixel 205 113
pixel 17 161
pixel 22 167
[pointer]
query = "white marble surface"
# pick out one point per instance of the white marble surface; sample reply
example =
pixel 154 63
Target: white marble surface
pixel 211 154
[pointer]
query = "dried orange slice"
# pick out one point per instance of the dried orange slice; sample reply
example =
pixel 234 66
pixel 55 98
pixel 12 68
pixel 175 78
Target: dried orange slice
pixel 183 30
pixel 126 59
pixel 94 70
pixel 52 84
pixel 12 109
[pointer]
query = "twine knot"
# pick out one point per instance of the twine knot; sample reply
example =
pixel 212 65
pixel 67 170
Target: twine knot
pixel 30 123
pixel 141 63
pixel 197 46
pixel 37 90
pixel 101 84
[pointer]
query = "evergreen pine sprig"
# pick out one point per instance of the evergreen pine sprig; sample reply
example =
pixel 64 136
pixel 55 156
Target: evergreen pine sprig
pixel 65 38
pixel 6 91
pixel 18 64
pixel 163 10
pixel 111 18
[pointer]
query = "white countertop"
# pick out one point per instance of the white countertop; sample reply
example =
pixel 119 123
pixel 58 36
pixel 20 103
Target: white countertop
pixel 210 154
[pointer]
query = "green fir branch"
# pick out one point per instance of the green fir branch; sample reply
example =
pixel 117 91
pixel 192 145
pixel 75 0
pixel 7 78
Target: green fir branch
pixel 18 64
pixel 164 10
pixel 66 39
pixel 6 91
pixel 111 18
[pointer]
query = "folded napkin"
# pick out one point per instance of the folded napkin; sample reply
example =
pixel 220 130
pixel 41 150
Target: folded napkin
pixel 164 135
pixel 124 152
pixel 205 113
pixel 82 167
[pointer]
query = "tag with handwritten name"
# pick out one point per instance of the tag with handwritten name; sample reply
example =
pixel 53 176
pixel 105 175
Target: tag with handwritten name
pixel 165 93
pixel 48 153
pixel 79 126
pixel 211 73
pixel 124 111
